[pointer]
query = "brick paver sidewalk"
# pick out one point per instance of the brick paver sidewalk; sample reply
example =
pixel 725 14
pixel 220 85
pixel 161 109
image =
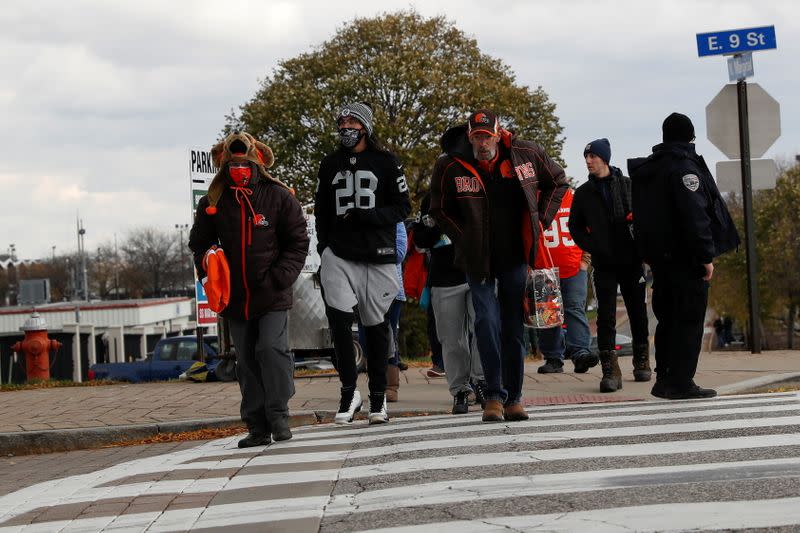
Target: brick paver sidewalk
pixel 158 403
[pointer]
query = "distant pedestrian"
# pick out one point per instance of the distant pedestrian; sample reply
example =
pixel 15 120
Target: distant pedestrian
pixel 601 223
pixel 490 192
pixel 361 197
pixel 573 264
pixel 455 315
pixel 681 223
pixel 260 226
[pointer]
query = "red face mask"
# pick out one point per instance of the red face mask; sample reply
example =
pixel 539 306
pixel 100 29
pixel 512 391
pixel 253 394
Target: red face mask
pixel 240 175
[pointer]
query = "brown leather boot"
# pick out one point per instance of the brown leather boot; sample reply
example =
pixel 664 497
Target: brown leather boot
pixel 612 375
pixel 392 382
pixel 641 362
pixel 515 412
pixel 493 412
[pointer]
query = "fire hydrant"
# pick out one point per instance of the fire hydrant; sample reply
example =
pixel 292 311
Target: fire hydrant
pixel 36 347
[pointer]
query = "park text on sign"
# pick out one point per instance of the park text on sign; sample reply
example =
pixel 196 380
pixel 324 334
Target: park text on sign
pixel 736 41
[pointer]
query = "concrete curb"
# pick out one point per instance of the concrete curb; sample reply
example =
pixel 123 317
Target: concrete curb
pixel 64 440
pixel 755 383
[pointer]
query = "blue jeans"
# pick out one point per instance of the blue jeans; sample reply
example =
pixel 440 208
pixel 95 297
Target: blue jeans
pixel 499 329
pixel 574 342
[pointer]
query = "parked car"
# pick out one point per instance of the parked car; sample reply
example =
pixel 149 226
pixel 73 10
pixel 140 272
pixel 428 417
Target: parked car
pixel 623 345
pixel 170 358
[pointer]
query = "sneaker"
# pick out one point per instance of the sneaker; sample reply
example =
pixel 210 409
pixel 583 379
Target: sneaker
pixel 349 405
pixel 254 439
pixel 460 405
pixel 435 372
pixel 480 393
pixel 378 414
pixel 584 362
pixel 552 366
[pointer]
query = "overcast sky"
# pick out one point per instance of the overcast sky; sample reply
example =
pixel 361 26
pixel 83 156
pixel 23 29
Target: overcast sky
pixel 101 100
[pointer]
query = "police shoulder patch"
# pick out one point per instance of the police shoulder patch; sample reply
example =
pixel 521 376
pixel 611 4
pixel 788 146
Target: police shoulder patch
pixel 691 182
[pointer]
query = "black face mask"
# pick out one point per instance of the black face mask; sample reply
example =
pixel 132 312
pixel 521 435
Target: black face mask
pixel 349 137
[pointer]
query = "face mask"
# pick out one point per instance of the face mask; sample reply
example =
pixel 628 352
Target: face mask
pixel 240 175
pixel 349 137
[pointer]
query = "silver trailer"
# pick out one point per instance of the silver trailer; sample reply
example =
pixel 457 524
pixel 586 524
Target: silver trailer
pixel 309 334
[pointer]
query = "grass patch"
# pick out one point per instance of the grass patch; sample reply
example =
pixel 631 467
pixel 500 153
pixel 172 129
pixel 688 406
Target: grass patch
pixel 55 383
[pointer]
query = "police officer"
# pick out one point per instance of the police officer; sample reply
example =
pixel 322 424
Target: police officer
pixel 681 223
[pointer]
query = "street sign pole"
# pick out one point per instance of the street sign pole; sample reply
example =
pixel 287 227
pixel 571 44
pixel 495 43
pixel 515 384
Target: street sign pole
pixel 747 200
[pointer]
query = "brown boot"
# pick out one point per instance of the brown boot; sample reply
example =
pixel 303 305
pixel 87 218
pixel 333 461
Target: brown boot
pixel 392 382
pixel 515 412
pixel 612 375
pixel 641 362
pixel 493 412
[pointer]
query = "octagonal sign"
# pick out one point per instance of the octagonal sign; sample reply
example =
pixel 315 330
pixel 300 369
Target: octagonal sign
pixel 722 120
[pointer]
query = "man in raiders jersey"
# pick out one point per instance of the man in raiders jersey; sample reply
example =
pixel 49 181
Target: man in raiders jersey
pixel 361 196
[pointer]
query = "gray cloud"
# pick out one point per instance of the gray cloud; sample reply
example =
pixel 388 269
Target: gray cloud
pixel 101 100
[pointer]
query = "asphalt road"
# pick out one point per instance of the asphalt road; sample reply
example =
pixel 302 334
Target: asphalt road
pixel 725 463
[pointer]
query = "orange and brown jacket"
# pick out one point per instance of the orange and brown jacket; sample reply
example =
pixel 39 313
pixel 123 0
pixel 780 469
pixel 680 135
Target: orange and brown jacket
pixel 460 205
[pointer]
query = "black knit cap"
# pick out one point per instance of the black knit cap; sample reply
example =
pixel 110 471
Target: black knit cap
pixel 677 128
pixel 599 147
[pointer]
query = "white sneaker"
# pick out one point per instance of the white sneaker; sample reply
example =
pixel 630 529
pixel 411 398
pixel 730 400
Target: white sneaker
pixel 346 417
pixel 379 417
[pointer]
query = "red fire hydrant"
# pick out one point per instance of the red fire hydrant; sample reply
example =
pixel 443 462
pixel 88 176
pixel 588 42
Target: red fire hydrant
pixel 36 347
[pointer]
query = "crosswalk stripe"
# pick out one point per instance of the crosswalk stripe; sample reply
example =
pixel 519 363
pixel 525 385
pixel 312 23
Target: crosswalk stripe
pixel 454 491
pixel 540 422
pixel 491 440
pixel 403 425
pixel 644 518
pixel 453 443
pixel 535 456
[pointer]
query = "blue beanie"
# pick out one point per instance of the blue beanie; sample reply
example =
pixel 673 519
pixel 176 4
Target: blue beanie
pixel 601 148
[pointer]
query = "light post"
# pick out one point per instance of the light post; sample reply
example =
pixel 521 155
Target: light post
pixel 184 279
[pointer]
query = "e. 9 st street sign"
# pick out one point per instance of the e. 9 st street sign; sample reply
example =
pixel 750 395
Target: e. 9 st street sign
pixel 736 41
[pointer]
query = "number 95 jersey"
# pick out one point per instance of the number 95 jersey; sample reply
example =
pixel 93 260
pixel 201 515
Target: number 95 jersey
pixel 557 239
pixel 360 198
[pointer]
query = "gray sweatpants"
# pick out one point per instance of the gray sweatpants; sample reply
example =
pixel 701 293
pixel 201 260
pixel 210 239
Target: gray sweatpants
pixel 455 319
pixel 265 368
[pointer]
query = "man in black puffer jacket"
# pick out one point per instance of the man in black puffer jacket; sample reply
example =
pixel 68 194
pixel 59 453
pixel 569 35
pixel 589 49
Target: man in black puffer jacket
pixel 600 223
pixel 260 226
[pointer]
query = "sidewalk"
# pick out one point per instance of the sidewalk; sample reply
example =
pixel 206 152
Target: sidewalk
pixel 59 419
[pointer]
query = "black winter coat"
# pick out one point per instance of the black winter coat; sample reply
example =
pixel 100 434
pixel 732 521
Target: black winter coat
pixel 594 228
pixel 265 252
pixel 442 271
pixel 679 215
pixel 460 204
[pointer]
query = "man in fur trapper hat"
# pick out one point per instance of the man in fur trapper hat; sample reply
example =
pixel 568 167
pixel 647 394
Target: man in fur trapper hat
pixel 260 225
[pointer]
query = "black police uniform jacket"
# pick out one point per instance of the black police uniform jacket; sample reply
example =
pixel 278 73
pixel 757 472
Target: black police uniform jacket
pixel 679 215
pixel 360 199
pixel 460 205
pixel 266 246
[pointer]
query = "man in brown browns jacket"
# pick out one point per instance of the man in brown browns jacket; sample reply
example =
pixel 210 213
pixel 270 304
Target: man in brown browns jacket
pixel 490 194
pixel 260 226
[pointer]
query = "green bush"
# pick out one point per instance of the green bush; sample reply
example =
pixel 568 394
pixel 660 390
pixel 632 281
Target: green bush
pixel 412 335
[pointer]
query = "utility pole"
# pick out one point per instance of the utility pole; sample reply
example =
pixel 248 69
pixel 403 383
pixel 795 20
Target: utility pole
pixel 184 280
pixel 84 277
